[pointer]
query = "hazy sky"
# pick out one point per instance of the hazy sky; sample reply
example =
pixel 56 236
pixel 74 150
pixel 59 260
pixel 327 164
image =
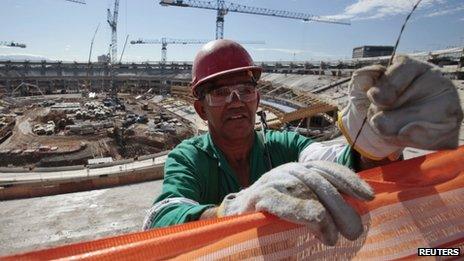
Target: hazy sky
pixel 57 29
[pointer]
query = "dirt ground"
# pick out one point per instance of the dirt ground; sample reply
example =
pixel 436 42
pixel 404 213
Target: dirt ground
pixel 137 141
pixel 24 138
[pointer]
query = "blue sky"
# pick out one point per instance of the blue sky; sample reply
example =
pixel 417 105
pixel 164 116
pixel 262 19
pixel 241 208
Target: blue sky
pixel 57 29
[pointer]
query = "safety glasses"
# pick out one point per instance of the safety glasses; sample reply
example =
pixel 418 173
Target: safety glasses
pixel 220 96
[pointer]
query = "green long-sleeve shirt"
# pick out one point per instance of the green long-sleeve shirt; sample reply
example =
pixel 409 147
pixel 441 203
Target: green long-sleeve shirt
pixel 197 170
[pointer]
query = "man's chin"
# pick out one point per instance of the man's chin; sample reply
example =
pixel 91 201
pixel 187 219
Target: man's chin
pixel 239 133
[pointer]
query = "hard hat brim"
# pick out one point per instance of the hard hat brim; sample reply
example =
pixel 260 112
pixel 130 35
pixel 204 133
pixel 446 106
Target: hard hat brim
pixel 256 70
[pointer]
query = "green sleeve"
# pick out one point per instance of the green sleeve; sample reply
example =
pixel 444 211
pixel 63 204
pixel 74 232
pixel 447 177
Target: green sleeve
pixel 286 146
pixel 298 142
pixel 347 158
pixel 294 143
pixel 178 214
pixel 181 179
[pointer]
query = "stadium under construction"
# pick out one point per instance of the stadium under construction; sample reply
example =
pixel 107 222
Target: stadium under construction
pixel 69 127
pixel 83 144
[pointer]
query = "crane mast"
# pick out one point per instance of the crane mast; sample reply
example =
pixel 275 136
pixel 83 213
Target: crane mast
pixel 222 7
pixel 221 12
pixel 113 22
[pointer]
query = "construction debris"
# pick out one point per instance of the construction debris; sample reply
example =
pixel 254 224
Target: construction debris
pixel 49 132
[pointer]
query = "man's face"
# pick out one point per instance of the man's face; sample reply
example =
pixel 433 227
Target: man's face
pixel 235 118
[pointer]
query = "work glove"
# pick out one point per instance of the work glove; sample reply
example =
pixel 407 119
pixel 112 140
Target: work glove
pixel 409 104
pixel 308 194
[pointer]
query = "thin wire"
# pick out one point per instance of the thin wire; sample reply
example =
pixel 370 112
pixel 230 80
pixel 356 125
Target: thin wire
pixel 401 32
pixel 126 18
pixel 299 124
pixel 390 61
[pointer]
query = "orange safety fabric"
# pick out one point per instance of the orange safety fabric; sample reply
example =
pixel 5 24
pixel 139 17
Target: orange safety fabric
pixel 418 203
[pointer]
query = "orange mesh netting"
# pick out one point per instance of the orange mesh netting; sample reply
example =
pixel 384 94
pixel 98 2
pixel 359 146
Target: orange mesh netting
pixel 419 203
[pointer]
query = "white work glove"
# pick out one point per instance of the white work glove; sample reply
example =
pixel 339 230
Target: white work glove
pixel 409 104
pixel 306 193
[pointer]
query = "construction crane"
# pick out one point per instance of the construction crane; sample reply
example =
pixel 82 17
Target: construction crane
pixel 165 41
pixel 222 7
pixel 123 48
pixel 164 44
pixel 91 42
pixel 77 1
pixel 13 44
pixel 113 22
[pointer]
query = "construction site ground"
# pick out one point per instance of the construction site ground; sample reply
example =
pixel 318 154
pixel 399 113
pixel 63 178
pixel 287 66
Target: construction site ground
pixel 36 223
pixel 23 137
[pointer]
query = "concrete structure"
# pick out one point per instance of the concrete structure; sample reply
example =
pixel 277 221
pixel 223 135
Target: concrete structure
pixel 23 182
pixel 36 223
pixel 73 77
pixel 97 161
pixel 62 77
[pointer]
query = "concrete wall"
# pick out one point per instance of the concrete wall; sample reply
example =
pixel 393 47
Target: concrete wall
pixel 84 183
pixel 39 189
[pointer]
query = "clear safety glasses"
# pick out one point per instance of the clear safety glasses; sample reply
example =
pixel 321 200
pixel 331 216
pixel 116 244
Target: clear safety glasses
pixel 220 96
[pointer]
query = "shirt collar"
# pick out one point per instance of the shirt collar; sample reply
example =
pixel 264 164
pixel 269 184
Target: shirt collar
pixel 206 144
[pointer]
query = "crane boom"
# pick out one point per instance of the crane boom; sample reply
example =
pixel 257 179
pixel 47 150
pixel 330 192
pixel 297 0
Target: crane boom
pixel 169 41
pixel 183 41
pixel 224 7
pixel 123 48
pixel 13 44
pixel 165 41
pixel 77 1
pixel 164 44
pixel 91 42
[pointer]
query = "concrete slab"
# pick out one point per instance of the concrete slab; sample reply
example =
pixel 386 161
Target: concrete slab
pixel 304 82
pixel 36 223
pixel 15 177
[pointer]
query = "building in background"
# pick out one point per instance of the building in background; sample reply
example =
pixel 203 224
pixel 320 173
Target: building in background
pixel 372 51
pixel 103 58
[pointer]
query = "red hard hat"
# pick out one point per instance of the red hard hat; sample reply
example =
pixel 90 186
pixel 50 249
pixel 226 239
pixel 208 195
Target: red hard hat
pixel 218 58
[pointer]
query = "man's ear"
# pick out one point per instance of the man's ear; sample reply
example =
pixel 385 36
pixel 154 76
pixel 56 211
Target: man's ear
pixel 200 109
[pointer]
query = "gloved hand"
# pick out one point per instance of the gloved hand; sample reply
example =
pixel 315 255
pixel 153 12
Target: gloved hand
pixel 408 104
pixel 305 193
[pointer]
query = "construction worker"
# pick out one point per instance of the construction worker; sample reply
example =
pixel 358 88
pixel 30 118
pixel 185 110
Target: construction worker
pixel 234 169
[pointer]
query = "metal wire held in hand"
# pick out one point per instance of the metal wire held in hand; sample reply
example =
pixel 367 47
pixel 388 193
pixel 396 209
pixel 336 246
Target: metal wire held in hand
pixel 389 62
